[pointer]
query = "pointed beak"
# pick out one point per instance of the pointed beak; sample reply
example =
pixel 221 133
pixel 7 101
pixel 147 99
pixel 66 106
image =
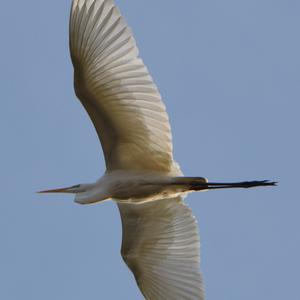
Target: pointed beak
pixel 62 190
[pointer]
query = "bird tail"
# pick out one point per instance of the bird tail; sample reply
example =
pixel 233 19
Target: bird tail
pixel 200 183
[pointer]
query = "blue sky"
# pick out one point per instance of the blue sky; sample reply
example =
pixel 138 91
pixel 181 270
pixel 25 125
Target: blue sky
pixel 229 74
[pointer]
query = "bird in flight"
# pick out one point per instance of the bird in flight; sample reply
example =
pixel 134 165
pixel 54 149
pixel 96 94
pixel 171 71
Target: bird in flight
pixel 160 241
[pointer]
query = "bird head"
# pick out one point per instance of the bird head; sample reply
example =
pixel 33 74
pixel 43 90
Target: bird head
pixel 74 189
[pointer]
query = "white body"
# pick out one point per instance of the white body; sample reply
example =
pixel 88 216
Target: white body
pixel 131 187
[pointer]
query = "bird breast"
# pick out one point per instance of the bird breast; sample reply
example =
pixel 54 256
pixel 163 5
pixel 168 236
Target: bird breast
pixel 137 187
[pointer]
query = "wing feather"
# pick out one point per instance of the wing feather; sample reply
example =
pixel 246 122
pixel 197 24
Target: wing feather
pixel 161 247
pixel 117 90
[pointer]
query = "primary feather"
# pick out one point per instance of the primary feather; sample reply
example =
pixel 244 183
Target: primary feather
pixel 116 89
pixel 161 247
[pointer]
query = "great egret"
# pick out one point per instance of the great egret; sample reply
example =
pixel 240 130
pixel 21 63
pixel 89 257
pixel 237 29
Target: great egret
pixel 160 235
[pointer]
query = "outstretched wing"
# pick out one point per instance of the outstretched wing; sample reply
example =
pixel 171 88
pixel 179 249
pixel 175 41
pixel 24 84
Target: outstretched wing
pixel 116 89
pixel 161 247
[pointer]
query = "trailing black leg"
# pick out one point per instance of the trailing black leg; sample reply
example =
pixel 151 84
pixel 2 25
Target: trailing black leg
pixel 200 183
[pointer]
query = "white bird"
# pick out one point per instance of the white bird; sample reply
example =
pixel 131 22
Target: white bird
pixel 160 235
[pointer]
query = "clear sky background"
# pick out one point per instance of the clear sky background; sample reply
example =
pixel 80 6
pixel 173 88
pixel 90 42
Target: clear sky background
pixel 229 73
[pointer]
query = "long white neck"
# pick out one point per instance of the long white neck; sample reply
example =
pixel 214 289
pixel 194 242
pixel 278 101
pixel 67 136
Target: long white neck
pixel 91 193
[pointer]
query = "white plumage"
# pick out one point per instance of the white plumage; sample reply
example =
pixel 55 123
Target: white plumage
pixel 116 89
pixel 160 235
pixel 161 247
pixel 160 239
